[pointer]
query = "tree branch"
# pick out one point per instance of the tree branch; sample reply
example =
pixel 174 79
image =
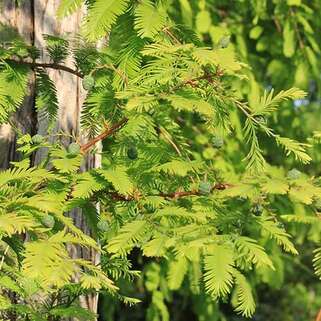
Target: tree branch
pixel 209 77
pixel 318 317
pixel 297 31
pixel 34 64
pixel 217 186
pixel 179 194
pixel 108 132
pixel 277 24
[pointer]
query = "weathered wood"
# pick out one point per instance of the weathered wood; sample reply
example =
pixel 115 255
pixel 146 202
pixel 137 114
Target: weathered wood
pixel 20 18
pixel 33 19
pixel 70 96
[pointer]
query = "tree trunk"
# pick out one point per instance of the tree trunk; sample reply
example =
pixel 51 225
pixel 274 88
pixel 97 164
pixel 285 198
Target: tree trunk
pixel 33 19
pixel 20 18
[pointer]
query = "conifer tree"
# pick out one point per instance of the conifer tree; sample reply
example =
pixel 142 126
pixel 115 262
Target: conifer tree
pixel 186 177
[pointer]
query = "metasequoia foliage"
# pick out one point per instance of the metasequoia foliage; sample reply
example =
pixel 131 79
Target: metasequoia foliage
pixel 172 184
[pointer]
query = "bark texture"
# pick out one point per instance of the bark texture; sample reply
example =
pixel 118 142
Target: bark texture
pixel 21 18
pixel 33 19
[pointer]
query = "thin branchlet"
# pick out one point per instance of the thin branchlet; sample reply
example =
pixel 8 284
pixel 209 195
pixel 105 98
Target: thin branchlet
pixel 34 64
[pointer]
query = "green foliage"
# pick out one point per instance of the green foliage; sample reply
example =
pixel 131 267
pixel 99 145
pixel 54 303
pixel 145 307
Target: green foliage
pixel 184 109
pixel 57 48
pixel 13 82
pixel 219 271
pixel 46 100
pixel 102 16
pixel 32 200
pixel 67 7
pixel 149 20
pixel 246 304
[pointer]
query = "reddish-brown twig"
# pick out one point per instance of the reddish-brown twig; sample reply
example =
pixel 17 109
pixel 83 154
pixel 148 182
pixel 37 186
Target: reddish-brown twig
pixel 178 194
pixel 318 318
pixel 108 132
pixel 174 195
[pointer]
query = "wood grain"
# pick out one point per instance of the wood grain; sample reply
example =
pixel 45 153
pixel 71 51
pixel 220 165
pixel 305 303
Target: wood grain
pixel 19 18
pixel 32 19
